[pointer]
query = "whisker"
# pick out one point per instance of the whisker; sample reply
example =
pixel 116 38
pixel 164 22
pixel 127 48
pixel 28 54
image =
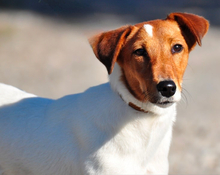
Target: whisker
pixel 185 90
pixel 185 100
pixel 189 66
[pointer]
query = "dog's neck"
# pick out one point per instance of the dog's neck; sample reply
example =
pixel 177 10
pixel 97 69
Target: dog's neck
pixel 118 86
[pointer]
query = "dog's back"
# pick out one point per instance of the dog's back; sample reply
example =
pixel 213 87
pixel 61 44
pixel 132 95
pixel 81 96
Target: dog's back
pixel 10 94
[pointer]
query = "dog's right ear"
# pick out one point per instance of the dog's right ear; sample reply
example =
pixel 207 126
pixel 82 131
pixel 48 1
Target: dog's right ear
pixel 107 46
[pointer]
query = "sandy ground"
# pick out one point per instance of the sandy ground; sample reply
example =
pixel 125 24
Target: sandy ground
pixel 52 58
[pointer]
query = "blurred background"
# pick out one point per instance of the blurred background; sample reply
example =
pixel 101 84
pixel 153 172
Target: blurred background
pixel 44 50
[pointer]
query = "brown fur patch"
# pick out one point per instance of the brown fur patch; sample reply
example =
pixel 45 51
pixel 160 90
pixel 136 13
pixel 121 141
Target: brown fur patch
pixel 142 73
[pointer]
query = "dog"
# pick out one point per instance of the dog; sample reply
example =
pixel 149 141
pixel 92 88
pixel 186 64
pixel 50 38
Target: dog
pixel 120 127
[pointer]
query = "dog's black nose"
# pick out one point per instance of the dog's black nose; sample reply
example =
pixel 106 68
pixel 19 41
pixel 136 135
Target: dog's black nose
pixel 166 88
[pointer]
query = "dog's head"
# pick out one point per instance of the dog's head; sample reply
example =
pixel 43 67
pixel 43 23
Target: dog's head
pixel 152 55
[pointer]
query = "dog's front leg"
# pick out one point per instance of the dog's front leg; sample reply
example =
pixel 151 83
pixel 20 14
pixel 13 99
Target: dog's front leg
pixel 159 163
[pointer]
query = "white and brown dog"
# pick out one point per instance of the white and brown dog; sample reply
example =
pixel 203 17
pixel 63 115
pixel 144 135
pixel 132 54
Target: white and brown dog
pixel 121 127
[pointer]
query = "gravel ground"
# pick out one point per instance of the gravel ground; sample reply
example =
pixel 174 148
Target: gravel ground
pixel 52 58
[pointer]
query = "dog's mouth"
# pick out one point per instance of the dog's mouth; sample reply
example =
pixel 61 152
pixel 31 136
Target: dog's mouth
pixel 165 103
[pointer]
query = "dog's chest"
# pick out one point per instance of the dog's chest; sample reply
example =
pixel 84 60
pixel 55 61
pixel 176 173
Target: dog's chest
pixel 131 149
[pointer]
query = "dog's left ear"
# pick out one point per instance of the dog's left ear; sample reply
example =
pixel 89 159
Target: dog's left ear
pixel 193 27
pixel 107 46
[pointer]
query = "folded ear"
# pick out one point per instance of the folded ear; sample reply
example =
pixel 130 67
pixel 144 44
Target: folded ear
pixel 193 27
pixel 106 46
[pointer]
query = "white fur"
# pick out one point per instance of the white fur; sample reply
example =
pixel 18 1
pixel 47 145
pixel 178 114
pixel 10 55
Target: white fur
pixel 91 133
pixel 149 29
pixel 10 94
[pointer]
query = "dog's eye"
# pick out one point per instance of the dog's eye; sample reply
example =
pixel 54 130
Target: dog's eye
pixel 140 52
pixel 177 48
